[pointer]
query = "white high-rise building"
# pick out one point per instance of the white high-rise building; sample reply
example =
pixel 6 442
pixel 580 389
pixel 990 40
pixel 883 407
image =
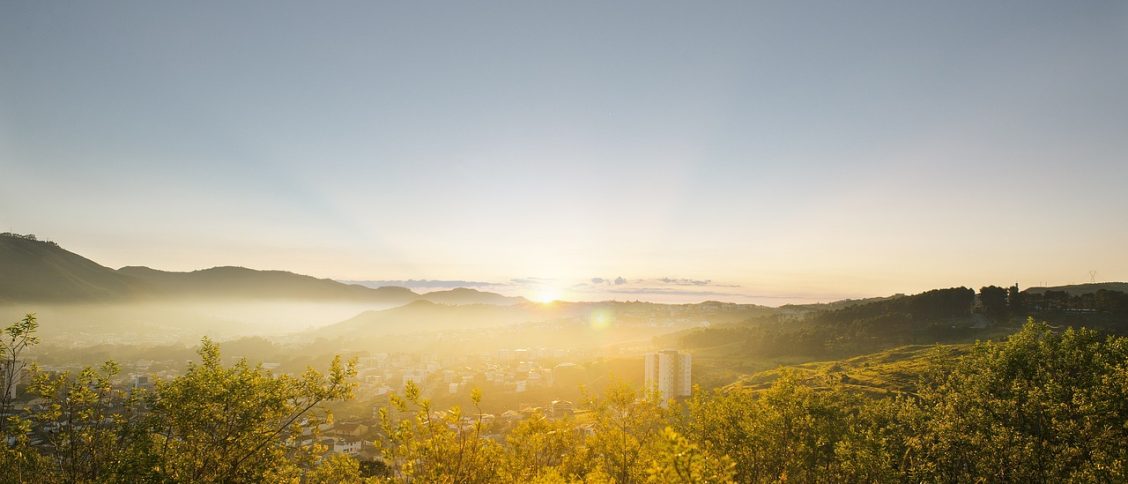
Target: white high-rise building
pixel 669 373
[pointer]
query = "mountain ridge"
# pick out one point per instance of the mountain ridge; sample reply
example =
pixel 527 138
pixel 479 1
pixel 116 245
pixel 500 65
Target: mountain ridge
pixel 1077 289
pixel 37 271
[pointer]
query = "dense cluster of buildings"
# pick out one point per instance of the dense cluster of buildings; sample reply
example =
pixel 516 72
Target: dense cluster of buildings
pixel 516 370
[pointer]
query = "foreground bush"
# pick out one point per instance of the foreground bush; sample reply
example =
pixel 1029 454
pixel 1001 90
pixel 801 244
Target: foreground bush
pixel 213 424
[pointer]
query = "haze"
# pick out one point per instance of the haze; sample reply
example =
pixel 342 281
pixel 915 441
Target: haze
pixel 777 152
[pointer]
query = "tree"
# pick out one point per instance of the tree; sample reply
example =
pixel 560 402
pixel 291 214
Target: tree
pixel 993 300
pixel 539 447
pixel 424 445
pixel 212 424
pixel 335 468
pixel 626 428
pixel 1016 301
pixel 16 338
pixel 91 427
pixel 679 460
pixel 1040 407
pixel 20 461
pixel 789 431
pixel 238 424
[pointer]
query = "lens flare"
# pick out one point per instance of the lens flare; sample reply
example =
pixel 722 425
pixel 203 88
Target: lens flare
pixel 601 319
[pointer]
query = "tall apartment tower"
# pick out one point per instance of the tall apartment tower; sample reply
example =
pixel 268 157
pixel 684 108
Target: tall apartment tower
pixel 669 373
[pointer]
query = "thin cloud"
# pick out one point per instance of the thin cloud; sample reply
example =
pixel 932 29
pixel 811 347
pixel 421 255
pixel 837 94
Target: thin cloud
pixel 667 291
pixel 685 282
pixel 531 280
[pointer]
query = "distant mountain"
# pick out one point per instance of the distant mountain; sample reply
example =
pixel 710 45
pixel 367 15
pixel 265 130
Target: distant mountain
pixel 1078 289
pixel 240 282
pixel 36 270
pixel 429 316
pixel 462 295
pixel 426 316
pixel 803 308
pixel 33 270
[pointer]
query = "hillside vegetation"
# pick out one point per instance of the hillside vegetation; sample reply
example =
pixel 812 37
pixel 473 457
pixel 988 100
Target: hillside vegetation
pixel 1080 289
pixel 34 270
pixel 889 372
pixel 1040 406
pixel 936 316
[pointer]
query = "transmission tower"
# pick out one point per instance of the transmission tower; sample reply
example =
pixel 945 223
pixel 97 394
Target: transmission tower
pixel 1092 276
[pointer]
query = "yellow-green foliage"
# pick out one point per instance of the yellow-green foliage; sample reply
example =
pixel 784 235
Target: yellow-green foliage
pixel 213 424
pixel 889 372
pixel 1039 407
pixel 1042 406
pixel 423 447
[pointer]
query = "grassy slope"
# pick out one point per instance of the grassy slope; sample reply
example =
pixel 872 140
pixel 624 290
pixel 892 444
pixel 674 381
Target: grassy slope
pixel 895 370
pixel 892 370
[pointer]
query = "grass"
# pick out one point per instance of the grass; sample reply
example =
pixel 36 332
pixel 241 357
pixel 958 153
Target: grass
pixel 896 370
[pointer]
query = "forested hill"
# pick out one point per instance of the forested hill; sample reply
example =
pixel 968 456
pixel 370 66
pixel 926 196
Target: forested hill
pixel 34 271
pixel 428 316
pixel 938 316
pixel 558 322
pixel 1079 289
pixel 240 282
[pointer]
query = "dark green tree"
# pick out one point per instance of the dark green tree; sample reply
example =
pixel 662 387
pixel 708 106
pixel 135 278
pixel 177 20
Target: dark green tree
pixel 1016 302
pixel 993 302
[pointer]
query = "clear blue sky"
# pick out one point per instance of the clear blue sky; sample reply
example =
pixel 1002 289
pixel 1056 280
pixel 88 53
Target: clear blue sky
pixel 790 149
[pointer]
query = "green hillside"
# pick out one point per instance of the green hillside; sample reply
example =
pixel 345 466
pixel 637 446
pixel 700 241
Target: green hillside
pixel 463 295
pixel 33 270
pixel 1079 289
pixel 36 270
pixel 240 282
pixel 896 370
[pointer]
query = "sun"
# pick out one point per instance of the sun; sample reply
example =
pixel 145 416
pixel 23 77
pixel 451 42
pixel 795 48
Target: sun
pixel 547 295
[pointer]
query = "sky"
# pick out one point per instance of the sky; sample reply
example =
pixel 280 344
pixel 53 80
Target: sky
pixel 766 152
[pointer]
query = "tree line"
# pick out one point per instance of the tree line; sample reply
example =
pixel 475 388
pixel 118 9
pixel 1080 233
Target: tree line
pixel 936 316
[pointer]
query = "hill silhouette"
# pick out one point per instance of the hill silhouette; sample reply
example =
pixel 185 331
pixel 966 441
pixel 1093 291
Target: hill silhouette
pixel 36 270
pixel 428 316
pixel 1078 289
pixel 33 270
pixel 554 321
pixel 240 282
pixel 462 295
